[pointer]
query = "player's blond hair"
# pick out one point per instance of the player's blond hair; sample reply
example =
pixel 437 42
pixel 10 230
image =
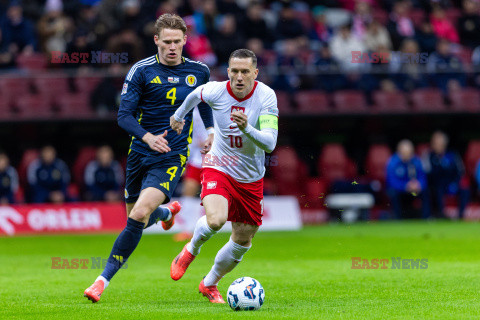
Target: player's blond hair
pixel 169 21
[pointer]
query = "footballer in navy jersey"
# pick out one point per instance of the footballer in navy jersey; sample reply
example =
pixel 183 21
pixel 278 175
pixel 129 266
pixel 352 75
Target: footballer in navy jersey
pixel 154 88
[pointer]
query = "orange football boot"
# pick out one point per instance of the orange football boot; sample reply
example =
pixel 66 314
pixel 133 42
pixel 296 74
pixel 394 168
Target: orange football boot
pixel 94 292
pixel 181 263
pixel 174 208
pixel 211 293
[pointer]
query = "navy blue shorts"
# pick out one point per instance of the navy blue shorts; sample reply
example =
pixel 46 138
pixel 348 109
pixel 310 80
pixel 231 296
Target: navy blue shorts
pixel 144 171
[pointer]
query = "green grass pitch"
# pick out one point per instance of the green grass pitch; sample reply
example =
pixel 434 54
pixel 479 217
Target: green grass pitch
pixel 306 275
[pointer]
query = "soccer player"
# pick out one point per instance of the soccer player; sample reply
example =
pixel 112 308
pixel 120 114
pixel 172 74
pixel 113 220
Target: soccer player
pixel 246 126
pixel 153 90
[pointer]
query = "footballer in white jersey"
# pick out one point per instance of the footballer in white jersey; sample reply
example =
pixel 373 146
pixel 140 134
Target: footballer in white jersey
pixel 245 114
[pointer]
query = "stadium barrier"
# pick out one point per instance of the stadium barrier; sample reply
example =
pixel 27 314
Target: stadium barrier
pixel 280 213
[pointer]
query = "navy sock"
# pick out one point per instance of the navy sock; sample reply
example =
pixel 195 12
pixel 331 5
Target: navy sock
pixel 123 247
pixel 157 215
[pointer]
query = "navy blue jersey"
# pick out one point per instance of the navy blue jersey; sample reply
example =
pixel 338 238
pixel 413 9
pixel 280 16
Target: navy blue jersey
pixel 151 93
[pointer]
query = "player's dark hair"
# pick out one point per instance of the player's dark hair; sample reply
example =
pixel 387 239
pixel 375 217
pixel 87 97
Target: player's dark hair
pixel 244 54
pixel 170 21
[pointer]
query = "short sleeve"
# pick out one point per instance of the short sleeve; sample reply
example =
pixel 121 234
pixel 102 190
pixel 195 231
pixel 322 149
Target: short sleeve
pixel 133 85
pixel 208 92
pixel 270 104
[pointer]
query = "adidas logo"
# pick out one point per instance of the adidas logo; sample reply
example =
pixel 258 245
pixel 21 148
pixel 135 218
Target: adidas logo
pixel 166 185
pixel 156 80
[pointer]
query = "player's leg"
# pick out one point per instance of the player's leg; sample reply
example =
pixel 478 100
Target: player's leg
pixel 216 214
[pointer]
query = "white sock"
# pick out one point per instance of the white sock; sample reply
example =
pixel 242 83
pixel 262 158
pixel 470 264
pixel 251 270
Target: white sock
pixel 201 234
pixel 226 260
pixel 105 281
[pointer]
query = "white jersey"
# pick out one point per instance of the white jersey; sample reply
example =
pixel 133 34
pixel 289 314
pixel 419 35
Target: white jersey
pixel 232 151
pixel 199 135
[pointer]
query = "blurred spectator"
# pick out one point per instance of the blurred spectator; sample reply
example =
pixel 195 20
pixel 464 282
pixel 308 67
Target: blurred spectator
pixel 362 17
pixel 126 41
pixel 408 75
pixel 227 39
pixel 54 28
pixel 105 99
pixel 445 69
pixel 400 25
pixel 469 24
pixel 320 31
pixel 18 33
pixel 377 38
pixel 341 47
pixel 426 38
pixel 81 43
pixel 48 177
pixel 442 26
pixel 198 46
pixel 104 177
pixel 405 181
pixel 207 18
pixel 288 26
pixel 330 77
pixel 8 180
pixel 287 63
pixel 444 170
pixel 255 25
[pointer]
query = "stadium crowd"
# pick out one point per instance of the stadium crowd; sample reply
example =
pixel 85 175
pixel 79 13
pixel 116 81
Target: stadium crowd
pixel 303 45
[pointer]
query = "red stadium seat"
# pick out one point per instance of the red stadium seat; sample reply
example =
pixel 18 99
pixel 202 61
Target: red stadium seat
pixel 5 109
pixel 86 85
pixel 85 155
pixel 350 101
pixel 51 87
pixel 76 105
pixel 28 156
pixel 312 102
pixel 34 107
pixel 315 193
pixel 291 173
pixel 465 55
pixel 422 148
pixel 11 88
pixel 284 103
pixel 472 156
pixel 376 162
pixel 428 100
pixel 35 61
pixel 467 99
pixel 387 102
pixel 333 163
pixel 417 16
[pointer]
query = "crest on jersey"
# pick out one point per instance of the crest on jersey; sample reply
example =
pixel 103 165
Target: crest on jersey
pixel 236 108
pixel 124 89
pixel 191 80
pixel 211 184
pixel 173 79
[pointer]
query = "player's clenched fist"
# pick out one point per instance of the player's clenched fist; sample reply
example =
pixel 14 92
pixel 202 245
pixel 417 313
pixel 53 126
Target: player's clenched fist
pixel 176 125
pixel 240 119
pixel 157 143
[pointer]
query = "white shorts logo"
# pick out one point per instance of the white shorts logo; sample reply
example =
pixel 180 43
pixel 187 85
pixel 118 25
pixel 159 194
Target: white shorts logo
pixel 211 184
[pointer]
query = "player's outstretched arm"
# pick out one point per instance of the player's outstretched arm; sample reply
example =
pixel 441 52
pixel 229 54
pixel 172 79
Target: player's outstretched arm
pixel 193 99
pixel 266 137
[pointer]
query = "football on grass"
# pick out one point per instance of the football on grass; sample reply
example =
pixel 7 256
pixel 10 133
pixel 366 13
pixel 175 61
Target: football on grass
pixel 245 294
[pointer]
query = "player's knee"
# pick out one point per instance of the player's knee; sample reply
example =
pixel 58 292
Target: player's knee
pixel 216 222
pixel 244 242
pixel 140 213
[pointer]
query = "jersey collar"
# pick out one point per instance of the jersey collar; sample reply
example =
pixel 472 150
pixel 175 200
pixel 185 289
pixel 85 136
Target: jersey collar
pixel 229 89
pixel 158 61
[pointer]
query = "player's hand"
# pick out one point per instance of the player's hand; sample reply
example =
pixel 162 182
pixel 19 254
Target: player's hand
pixel 176 126
pixel 157 143
pixel 207 145
pixel 240 119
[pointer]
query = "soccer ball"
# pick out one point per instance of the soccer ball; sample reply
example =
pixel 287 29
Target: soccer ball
pixel 245 294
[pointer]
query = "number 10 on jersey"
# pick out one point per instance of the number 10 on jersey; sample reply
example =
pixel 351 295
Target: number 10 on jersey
pixel 235 141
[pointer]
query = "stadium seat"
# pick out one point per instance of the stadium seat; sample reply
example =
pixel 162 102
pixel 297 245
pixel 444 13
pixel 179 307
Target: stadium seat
pixel 76 105
pixel 33 107
pixel 28 156
pixel 428 100
pixel 11 88
pixel 51 87
pixel 465 55
pixel 387 102
pixel 333 163
pixel 284 103
pixel 86 85
pixel 34 62
pixel 472 156
pixel 422 148
pixel 315 193
pixel 467 99
pixel 350 101
pixel 85 155
pixel 376 162
pixel 312 102
pixel 5 109
pixel 291 173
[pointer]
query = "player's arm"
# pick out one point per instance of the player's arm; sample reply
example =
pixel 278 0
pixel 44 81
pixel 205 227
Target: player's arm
pixel 207 118
pixel 193 99
pixel 130 96
pixel 266 137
